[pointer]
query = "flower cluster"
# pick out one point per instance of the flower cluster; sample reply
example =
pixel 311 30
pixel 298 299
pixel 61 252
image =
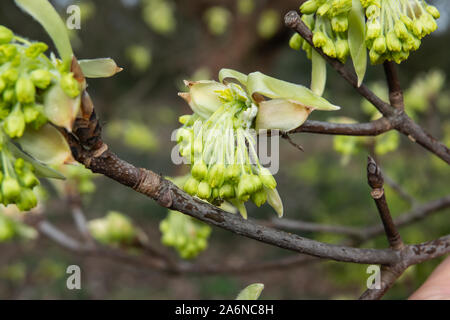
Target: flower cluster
pixel 392 30
pixel 222 150
pixel 395 28
pixel 26 78
pixel 114 229
pixel 217 139
pixel 187 235
pixel 328 19
pixel 26 75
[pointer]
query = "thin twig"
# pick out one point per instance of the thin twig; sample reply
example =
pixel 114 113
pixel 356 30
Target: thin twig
pixel 375 179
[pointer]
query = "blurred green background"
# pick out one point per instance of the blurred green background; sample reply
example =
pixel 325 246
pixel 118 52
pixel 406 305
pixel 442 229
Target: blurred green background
pixel 161 42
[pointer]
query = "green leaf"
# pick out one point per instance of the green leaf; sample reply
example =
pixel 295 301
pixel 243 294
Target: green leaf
pixel 99 68
pixel 46 15
pixel 41 169
pixel 59 108
pixel 261 84
pixel 356 39
pixel 47 145
pixel 225 74
pixel 252 292
pixel 318 73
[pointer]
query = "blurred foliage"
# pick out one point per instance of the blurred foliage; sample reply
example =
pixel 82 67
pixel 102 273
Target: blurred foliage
pixel 114 229
pixel 171 41
pixel 187 235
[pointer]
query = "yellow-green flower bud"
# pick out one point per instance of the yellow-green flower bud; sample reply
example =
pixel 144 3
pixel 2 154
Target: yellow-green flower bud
pixel 296 42
pixel 10 75
pixel 215 193
pixel 400 56
pixel 342 49
pixel 204 190
pixel 184 119
pixel 25 90
pixel 329 49
pixel 407 21
pixel 374 56
pixel 373 29
pixel 41 78
pixel 36 49
pixel 339 23
pixel 417 28
pixel 27 200
pixel 232 173
pixel 257 183
pixel 309 7
pixel 216 175
pixel 30 112
pixel 428 23
pixel 319 39
pixel 10 190
pixel 9 96
pixel 8 51
pixel 323 9
pixel 392 42
pixel 29 180
pixel 70 85
pixel 245 187
pixel 433 11
pixel 379 45
pixel 267 179
pixel 6 35
pixel 259 198
pixel 199 170
pixel 191 186
pixel 226 191
pixel 14 124
pixel 372 12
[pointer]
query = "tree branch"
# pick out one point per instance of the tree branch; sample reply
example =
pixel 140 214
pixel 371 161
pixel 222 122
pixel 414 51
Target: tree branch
pixel 373 128
pixel 375 179
pixel 396 116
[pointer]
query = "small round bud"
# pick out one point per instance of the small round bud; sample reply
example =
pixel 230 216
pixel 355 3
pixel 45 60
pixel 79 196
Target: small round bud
pixel 27 200
pixel 35 50
pixel 373 29
pixel 319 39
pixel 41 78
pixel 69 85
pixel 323 9
pixel 296 42
pixel 216 175
pixel 339 23
pixel 392 42
pixel 10 190
pixel 226 191
pixel 184 119
pixel 30 112
pixel 259 198
pixel 199 170
pixel 191 186
pixel 329 49
pixel 400 30
pixel 204 190
pixel 6 35
pixel 433 11
pixel 10 75
pixel 309 7
pixel 25 90
pixel 417 28
pixel 342 49
pixel 232 173
pixel 372 12
pixel 379 45
pixel 14 124
pixel 374 56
